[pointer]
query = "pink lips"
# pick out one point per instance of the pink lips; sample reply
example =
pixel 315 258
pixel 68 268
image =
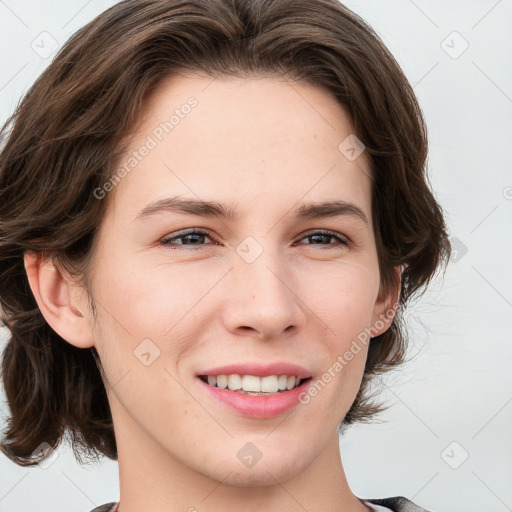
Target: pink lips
pixel 253 406
pixel 259 370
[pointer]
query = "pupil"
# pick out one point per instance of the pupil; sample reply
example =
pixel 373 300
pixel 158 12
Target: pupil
pixel 313 237
pixel 187 237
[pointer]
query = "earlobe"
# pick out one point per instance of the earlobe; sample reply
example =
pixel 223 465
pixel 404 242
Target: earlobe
pixel 51 291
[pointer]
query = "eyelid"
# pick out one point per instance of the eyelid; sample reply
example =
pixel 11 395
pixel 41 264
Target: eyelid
pixel 326 232
pixel 342 239
pixel 186 232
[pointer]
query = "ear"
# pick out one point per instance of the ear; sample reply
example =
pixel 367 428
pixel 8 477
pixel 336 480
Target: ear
pixel 386 306
pixel 60 301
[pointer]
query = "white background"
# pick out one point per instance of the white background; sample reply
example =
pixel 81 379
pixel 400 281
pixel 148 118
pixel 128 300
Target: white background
pixel 458 386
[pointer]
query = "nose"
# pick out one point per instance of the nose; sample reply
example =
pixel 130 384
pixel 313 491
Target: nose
pixel 262 297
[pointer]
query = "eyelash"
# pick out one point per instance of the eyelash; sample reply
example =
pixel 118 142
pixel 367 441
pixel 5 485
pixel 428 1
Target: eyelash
pixel 332 234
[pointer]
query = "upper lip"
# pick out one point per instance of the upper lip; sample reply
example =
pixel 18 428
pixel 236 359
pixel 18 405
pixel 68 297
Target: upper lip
pixel 259 370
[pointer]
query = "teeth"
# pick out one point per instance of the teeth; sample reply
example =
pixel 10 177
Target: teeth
pixel 222 381
pixel 270 384
pixel 254 384
pixel 234 382
pixel 251 383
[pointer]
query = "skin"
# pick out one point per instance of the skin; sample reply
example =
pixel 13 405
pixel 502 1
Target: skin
pixel 261 145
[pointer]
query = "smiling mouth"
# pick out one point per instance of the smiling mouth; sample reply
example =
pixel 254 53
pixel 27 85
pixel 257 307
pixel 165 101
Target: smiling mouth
pixel 252 385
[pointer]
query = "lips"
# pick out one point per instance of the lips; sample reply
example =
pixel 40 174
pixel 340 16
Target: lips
pixel 256 407
pixel 259 370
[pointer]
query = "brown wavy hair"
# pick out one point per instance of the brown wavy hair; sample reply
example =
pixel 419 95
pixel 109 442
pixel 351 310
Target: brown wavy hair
pixel 66 135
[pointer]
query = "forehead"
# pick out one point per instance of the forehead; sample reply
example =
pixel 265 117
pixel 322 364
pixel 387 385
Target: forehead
pixel 267 137
pixel 227 104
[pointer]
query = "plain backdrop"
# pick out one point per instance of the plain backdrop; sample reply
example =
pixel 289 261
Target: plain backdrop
pixel 445 442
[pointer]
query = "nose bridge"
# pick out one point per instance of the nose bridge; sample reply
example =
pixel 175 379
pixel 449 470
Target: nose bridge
pixel 262 296
pixel 264 275
pixel 257 264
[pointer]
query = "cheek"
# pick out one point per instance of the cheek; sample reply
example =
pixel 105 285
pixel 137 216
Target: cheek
pixel 153 299
pixel 140 312
pixel 152 314
pixel 345 300
pixel 345 307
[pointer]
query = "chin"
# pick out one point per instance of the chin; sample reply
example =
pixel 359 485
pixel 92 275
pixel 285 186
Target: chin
pixel 262 474
pixel 258 479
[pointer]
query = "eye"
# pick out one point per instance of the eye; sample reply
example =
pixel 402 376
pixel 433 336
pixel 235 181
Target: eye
pixel 194 237
pixel 319 235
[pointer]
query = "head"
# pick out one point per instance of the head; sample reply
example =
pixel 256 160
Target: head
pixel 234 103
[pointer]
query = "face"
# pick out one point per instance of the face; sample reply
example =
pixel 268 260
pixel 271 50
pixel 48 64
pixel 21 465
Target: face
pixel 259 286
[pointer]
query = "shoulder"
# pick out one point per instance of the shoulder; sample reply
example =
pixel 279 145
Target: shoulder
pixel 398 504
pixel 107 507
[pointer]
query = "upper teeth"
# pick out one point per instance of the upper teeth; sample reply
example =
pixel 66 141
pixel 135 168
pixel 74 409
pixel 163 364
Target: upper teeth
pixel 269 384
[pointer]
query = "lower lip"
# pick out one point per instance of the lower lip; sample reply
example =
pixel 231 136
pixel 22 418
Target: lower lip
pixel 253 406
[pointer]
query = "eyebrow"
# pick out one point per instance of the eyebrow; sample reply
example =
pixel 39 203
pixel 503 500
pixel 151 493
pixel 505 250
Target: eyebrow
pixel 215 209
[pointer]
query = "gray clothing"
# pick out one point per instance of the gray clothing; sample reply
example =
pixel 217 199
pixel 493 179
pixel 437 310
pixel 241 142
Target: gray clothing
pixel 396 503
